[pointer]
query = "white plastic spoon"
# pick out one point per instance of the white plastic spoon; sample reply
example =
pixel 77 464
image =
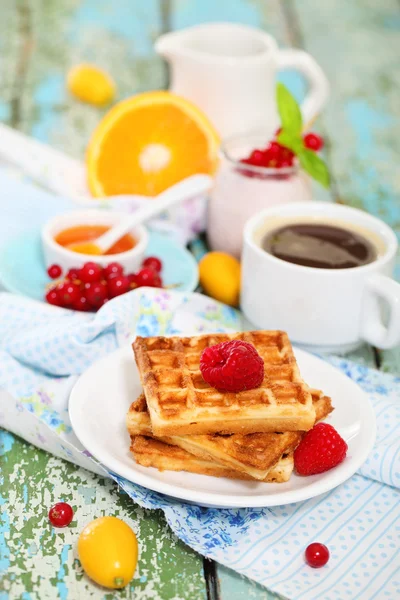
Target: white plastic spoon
pixel 188 188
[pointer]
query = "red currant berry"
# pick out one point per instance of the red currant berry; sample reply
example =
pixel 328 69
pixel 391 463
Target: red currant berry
pixel 113 269
pixel 286 163
pixel 68 293
pixel 316 555
pixel 152 262
pixel 72 275
pixel 118 285
pixel 54 271
pixel 257 158
pixel 146 277
pixel 157 282
pixel 286 154
pixel 52 297
pixel 61 514
pixel 81 304
pixel 272 151
pixel 96 293
pixel 90 272
pixel 312 141
pixel 132 281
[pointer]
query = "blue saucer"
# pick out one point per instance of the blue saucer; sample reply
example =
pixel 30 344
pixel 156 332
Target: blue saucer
pixel 22 269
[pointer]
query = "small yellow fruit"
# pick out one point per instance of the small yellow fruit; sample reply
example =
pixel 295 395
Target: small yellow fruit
pixel 91 84
pixel 108 551
pixel 220 277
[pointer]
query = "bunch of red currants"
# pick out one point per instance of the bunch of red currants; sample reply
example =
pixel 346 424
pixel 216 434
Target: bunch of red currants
pixel 276 156
pixel 91 286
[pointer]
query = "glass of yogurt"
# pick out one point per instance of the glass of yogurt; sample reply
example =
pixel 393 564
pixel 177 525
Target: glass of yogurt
pixel 241 190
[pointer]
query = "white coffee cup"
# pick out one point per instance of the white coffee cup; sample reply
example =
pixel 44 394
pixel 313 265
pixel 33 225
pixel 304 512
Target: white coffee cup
pixel 324 309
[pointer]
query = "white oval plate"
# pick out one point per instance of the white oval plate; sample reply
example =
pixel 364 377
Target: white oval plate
pixel 101 397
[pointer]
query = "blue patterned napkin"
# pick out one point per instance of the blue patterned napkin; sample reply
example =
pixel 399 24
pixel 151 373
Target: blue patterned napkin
pixel 42 351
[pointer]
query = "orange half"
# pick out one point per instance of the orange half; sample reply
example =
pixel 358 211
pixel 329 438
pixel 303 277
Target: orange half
pixel 147 143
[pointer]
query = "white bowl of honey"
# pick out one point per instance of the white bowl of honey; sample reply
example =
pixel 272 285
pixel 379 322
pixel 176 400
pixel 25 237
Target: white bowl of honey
pixel 63 232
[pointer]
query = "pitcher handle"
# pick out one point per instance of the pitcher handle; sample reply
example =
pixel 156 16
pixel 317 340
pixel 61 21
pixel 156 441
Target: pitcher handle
pixel 319 85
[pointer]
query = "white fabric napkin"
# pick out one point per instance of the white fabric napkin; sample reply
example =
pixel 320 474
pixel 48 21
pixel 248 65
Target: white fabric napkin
pixel 42 351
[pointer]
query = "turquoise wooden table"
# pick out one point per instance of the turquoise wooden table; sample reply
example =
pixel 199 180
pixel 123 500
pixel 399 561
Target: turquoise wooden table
pixel 357 44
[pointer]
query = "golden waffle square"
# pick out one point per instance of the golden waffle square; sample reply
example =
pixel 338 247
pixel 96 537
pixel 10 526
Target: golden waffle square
pixel 254 454
pixel 180 402
pixel 150 452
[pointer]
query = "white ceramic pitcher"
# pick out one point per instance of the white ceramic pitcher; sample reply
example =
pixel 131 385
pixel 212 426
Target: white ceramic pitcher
pixel 229 71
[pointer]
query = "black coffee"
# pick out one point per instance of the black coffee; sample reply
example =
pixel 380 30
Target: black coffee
pixel 320 246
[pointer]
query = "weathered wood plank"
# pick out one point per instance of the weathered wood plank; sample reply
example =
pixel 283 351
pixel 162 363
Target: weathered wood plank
pixel 40 562
pixel 39 41
pixel 51 36
pixel 357 43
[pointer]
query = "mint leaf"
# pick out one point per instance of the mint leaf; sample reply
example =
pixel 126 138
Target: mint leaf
pixel 314 166
pixel 293 142
pixel 289 111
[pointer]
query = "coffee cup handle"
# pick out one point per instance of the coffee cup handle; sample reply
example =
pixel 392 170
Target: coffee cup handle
pixel 318 94
pixel 373 329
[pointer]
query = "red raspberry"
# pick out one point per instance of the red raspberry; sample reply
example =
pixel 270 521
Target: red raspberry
pixel 232 366
pixel 321 449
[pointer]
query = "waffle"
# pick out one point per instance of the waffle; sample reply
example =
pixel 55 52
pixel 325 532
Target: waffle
pixel 150 452
pixel 180 402
pixel 254 454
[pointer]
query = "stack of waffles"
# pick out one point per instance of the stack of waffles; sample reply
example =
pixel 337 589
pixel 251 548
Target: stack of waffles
pixel 181 423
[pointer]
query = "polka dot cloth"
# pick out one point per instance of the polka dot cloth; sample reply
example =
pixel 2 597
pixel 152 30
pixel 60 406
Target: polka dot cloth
pixel 43 350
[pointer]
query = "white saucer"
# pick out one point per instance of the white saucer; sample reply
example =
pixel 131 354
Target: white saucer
pixel 101 397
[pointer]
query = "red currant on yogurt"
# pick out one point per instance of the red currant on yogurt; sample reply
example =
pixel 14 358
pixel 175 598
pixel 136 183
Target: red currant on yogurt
pixel 90 272
pixel 152 262
pixel 316 555
pixel 312 141
pixel 54 271
pixel 61 514
pixel 257 158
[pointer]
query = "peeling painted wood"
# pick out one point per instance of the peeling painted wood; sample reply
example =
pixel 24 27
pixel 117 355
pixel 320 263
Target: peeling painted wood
pixel 356 44
pixel 41 561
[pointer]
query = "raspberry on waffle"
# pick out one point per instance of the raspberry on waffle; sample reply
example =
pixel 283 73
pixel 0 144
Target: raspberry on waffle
pixel 180 402
pixel 253 454
pixel 150 452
